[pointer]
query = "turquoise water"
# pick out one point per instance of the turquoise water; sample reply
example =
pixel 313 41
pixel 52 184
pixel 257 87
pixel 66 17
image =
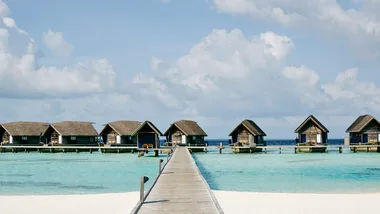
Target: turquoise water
pixel 84 173
pixel 292 173
pixel 72 173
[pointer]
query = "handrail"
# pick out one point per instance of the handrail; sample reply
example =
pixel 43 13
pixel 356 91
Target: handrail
pixel 140 203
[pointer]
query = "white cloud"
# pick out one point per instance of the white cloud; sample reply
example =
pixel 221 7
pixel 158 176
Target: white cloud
pixel 361 25
pixel 20 77
pixel 228 77
pixel 4 10
pixel 57 44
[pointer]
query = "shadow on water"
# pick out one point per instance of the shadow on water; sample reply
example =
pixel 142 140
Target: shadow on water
pixel 49 184
pixel 206 174
pixel 305 161
pixel 16 175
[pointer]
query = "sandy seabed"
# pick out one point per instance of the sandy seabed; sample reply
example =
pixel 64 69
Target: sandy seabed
pixel 231 203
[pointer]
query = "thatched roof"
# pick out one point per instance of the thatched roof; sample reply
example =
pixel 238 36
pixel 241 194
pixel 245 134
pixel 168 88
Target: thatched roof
pixel 74 128
pixel 251 126
pixel 361 122
pixel 150 124
pixel 315 121
pixel 188 127
pixel 23 128
pixel 123 127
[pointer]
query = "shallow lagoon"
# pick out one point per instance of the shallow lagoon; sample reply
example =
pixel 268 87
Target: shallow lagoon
pixel 84 173
pixel 292 173
pixel 72 173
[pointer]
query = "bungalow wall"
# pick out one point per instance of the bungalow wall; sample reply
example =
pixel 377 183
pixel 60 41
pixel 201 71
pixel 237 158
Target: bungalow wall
pixel 175 135
pixel 243 136
pixel 370 134
pixel 26 140
pixel 311 133
pixel 5 137
pixel 146 135
pixel 197 140
pixel 20 140
pixel 79 140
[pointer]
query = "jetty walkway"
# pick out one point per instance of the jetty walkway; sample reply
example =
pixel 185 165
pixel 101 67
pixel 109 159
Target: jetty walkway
pixel 180 188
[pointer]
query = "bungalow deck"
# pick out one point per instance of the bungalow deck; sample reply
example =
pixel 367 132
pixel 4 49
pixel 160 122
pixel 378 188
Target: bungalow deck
pixel 142 151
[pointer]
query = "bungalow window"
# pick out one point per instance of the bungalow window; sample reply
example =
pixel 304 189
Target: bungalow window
pixel 194 137
pixel 129 137
pixel 24 138
pixel 73 138
pixel 92 139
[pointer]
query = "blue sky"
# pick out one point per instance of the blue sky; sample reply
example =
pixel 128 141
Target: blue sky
pixel 217 62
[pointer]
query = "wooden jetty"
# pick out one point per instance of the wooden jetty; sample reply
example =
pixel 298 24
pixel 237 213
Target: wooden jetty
pixel 180 188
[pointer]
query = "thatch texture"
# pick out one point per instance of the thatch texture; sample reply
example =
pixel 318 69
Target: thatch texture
pixel 315 121
pixel 74 128
pixel 360 123
pixel 123 127
pixel 251 126
pixel 188 127
pixel 150 124
pixel 23 128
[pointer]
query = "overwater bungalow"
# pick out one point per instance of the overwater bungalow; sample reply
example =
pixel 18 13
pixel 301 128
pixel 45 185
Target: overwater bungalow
pixel 120 133
pixel 246 136
pixel 147 135
pixel 186 132
pixel 125 133
pixel 311 133
pixel 22 133
pixel 71 133
pixel 365 130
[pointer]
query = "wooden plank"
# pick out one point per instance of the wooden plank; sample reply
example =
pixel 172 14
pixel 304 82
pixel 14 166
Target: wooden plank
pixel 180 189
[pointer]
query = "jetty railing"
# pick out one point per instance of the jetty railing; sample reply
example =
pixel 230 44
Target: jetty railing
pixel 160 169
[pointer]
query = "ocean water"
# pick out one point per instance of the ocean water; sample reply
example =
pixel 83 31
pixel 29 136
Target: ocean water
pixel 72 173
pixel 291 173
pixel 84 173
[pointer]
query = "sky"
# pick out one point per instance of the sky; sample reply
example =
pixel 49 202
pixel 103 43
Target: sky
pixel 217 62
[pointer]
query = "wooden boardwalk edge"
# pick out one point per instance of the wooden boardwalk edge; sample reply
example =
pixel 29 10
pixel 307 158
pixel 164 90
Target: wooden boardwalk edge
pixel 182 198
pixel 214 199
pixel 139 204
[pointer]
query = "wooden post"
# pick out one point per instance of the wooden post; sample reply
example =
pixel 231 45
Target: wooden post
pixel 265 150
pixel 340 149
pixel 160 166
pixel 155 153
pixel 280 150
pixel 295 150
pixel 368 149
pixel 142 189
pixel 220 147
pixel 76 150
pixel 141 153
pixel 355 149
pixel 90 151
